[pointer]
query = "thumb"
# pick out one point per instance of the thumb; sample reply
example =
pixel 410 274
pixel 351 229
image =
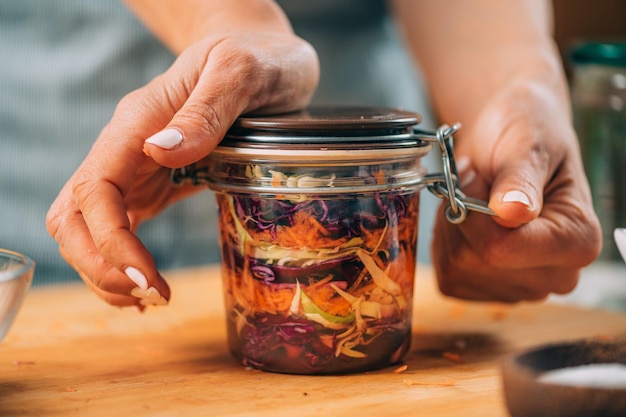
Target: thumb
pixel 203 104
pixel 511 148
pixel 213 83
pixel 516 195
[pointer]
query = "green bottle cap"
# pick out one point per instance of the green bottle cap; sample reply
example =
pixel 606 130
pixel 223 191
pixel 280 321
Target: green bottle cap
pixel 598 53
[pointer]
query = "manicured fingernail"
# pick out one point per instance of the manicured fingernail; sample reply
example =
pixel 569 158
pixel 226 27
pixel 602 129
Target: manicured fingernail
pixel 166 139
pixel 516 197
pixel 467 178
pixel 465 171
pixel 462 164
pixel 137 277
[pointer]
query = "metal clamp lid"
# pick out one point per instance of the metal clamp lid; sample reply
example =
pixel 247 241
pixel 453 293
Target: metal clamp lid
pixel 446 185
pixel 443 185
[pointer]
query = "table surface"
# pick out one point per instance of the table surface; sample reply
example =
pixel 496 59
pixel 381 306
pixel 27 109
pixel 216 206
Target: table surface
pixel 70 354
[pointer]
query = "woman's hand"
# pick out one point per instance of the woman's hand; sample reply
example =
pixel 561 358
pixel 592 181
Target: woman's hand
pixel 494 68
pixel 175 120
pixel 522 156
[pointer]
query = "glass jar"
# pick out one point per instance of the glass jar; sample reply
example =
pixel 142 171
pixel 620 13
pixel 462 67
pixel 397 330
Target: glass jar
pixel 318 226
pixel 599 108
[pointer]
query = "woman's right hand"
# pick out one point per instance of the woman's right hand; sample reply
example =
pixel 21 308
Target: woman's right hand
pixel 175 120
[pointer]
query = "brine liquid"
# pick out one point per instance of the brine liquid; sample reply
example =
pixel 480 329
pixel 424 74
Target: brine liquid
pixel 319 285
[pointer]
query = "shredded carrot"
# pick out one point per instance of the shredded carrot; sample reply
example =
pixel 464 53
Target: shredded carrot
pixel 275 181
pixel 457 309
pixel 407 231
pixel 604 338
pixel 446 383
pixel 294 236
pixel 317 226
pixel 380 176
pixel 19 363
pixel 401 369
pixel 320 282
pixel 271 300
pixel 326 298
pixel 498 312
pixel 452 357
pixel 370 237
pixel 306 232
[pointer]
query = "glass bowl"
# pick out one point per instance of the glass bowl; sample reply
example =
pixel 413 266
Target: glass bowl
pixel 16 275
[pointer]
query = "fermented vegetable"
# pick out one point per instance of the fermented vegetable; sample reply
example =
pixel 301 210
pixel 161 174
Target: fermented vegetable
pixel 318 284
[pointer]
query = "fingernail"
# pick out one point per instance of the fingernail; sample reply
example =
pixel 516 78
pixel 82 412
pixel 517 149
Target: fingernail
pixel 516 197
pixel 462 164
pixel 467 178
pixel 465 171
pixel 137 277
pixel 166 139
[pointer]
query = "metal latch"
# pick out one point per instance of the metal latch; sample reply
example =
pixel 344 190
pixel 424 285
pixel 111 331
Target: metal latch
pixel 446 185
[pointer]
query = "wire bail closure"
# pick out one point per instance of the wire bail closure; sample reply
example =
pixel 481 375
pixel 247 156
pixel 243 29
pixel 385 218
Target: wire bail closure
pixel 443 185
pixel 446 186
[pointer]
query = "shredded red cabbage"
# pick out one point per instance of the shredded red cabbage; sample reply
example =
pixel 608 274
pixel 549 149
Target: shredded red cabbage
pixel 300 294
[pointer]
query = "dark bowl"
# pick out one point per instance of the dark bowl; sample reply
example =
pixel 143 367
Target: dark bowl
pixel 528 395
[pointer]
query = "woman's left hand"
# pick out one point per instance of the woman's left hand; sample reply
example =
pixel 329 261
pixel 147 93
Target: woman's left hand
pixel 521 156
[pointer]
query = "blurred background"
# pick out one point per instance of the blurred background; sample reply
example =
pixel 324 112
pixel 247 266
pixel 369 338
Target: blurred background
pixel 592 40
pixel 583 20
pixel 591 37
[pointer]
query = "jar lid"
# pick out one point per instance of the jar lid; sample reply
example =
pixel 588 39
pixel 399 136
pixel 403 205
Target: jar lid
pixel 326 132
pixel 325 125
pixel 332 119
pixel 610 54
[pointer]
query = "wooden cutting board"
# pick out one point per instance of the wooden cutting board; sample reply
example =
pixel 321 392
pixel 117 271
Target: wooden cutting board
pixel 70 354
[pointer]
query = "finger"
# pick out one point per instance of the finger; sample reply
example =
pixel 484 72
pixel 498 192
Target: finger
pixel 236 78
pixel 110 298
pixel 520 164
pixel 96 208
pixel 516 195
pixel 98 195
pixel 563 236
pixel 205 104
pixel 509 286
pixel 463 273
pixel 108 287
pixel 67 226
pixel 113 299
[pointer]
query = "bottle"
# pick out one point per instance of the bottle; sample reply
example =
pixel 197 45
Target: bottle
pixel 599 108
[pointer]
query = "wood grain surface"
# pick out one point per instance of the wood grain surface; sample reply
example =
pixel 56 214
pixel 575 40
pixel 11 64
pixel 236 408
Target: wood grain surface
pixel 70 354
